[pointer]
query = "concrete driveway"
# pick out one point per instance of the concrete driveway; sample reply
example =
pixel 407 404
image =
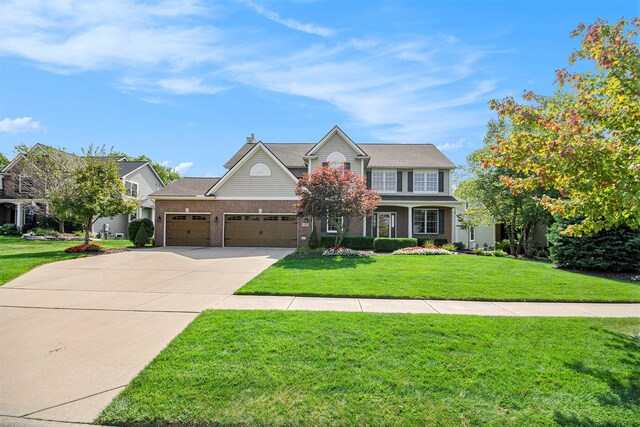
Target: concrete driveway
pixel 74 333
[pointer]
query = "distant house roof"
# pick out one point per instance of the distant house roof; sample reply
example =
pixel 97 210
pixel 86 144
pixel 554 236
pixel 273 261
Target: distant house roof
pixel 126 167
pixel 187 187
pixel 382 155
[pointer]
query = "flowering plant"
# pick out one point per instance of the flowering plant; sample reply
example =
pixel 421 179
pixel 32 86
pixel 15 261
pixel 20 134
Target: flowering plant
pixel 90 247
pixel 341 251
pixel 419 250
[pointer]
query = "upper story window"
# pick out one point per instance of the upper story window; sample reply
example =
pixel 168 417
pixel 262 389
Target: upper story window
pixel 131 189
pixel 336 159
pixel 260 169
pixel 425 181
pixel 24 183
pixel 385 181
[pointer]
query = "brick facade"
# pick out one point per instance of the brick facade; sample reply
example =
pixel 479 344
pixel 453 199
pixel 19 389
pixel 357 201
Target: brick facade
pixel 403 223
pixel 217 209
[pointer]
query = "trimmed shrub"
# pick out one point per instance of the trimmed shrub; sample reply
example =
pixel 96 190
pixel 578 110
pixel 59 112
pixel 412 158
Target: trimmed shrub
pixel 9 230
pixel 142 238
pixel 617 249
pixel 385 244
pixel 134 226
pixel 313 239
pixel 449 247
pixel 459 246
pixel 503 245
pixel 45 232
pixel 499 253
pixel 438 241
pixel 351 242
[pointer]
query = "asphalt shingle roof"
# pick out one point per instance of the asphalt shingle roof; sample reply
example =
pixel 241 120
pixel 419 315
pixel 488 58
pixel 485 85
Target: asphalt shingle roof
pixel 187 187
pixel 126 167
pixel 382 155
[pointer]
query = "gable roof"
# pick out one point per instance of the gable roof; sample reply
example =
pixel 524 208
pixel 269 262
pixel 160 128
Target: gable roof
pixel 126 167
pixel 256 147
pixel 406 156
pixel 336 131
pixel 186 187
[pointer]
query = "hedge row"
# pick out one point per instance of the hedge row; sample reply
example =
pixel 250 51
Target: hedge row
pixel 383 244
pixel 351 242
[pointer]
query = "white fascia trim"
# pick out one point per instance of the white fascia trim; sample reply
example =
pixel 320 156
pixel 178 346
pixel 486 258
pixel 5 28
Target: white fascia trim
pixel 181 198
pixel 257 199
pixel 343 135
pixel 244 160
pixel 12 163
pixel 152 170
pixel 420 204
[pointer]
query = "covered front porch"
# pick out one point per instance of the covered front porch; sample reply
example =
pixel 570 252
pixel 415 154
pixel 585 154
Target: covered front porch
pixel 419 220
pixel 24 213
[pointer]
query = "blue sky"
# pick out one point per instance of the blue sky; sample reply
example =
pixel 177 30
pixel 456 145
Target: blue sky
pixel 185 81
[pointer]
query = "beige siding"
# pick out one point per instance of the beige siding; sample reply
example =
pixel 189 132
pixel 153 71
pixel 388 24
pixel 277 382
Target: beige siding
pixel 336 143
pixel 147 181
pixel 241 184
pixel 405 181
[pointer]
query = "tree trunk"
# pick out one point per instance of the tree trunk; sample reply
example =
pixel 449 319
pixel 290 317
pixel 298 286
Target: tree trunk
pixel 61 226
pixel 528 242
pixel 511 232
pixel 87 231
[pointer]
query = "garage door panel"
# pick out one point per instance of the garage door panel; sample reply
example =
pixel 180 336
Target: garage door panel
pixel 188 230
pixel 261 230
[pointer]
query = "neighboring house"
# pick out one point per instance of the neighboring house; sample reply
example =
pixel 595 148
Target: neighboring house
pixel 253 204
pixel 21 205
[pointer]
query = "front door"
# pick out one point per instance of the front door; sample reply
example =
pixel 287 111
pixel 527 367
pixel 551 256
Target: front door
pixel 385 224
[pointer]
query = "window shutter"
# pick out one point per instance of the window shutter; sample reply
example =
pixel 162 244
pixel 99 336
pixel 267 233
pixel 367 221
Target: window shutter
pixel 345 224
pixel 368 179
pixel 323 225
pixel 325 164
pixel 347 165
pixel 399 182
pixel 441 182
pixel 410 182
pixel 440 221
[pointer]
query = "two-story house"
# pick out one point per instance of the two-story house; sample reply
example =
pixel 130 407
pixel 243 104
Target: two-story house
pixel 23 204
pixel 253 204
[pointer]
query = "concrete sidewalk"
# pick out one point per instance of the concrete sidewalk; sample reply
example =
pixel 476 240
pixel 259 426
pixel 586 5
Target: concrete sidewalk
pixel 480 308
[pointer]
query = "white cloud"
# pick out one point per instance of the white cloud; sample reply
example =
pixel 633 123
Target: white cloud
pixel 166 163
pixel 412 88
pixel 183 167
pixel 452 146
pixel 291 23
pixel 21 124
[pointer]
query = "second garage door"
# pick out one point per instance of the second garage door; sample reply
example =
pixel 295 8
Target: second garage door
pixel 188 230
pixel 276 231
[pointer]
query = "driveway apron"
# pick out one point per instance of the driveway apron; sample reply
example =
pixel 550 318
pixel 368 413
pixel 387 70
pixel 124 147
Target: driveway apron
pixel 75 332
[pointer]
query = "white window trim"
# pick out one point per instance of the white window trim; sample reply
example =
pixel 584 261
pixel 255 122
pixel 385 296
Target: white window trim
pixel 384 172
pixel 260 169
pixel 392 223
pixel 336 159
pixel 333 231
pixel 413 226
pixel 137 188
pixel 20 178
pixel 472 234
pixel 425 171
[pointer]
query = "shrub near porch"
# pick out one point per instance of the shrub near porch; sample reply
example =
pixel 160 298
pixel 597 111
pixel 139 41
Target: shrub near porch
pixel 446 277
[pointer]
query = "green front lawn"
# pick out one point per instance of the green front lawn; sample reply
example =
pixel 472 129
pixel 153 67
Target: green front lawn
pixel 18 256
pixel 436 277
pixel 302 368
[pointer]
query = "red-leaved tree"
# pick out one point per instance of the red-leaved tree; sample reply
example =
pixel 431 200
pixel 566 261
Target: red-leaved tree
pixel 335 193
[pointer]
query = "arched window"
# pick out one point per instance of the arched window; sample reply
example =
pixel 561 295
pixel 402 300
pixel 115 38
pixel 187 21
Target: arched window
pixel 336 159
pixel 260 169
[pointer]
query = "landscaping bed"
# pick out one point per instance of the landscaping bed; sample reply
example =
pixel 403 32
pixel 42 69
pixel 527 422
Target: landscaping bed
pixel 302 368
pixel 436 277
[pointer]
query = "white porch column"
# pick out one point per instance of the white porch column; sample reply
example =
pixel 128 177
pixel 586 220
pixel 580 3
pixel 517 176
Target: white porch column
pixel 454 225
pixel 364 225
pixel 19 216
pixel 410 220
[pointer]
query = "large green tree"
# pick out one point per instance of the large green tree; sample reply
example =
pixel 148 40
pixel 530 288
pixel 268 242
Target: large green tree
pixel 3 161
pixel 93 189
pixel 489 198
pixel 588 148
